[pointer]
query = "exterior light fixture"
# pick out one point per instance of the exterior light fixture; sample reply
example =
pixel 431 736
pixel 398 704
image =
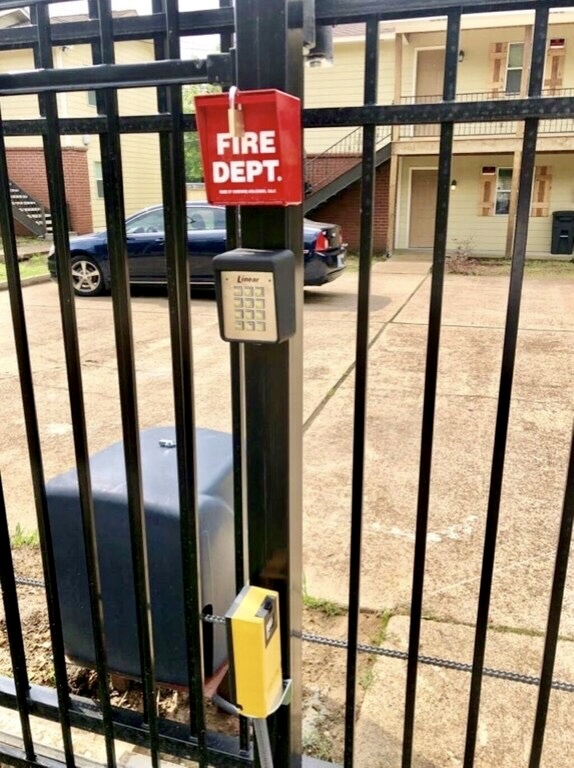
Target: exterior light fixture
pixel 321 55
pixel 461 56
pixel 453 185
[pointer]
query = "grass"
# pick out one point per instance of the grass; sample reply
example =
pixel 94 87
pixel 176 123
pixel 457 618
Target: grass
pixel 381 635
pixel 318 745
pixel 532 268
pixel 325 606
pixel 21 538
pixel 367 674
pixel 318 604
pixel 32 267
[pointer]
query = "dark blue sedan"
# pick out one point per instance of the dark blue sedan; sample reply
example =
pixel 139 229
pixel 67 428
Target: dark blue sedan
pixel 145 240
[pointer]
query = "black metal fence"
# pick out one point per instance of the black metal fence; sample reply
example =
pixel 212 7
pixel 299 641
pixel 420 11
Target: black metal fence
pixel 266 382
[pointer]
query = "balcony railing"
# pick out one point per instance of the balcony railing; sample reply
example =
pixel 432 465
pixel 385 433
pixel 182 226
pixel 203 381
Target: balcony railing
pixel 496 128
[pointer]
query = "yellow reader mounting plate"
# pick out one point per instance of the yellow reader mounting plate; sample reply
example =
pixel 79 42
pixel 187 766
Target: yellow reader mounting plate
pixel 254 641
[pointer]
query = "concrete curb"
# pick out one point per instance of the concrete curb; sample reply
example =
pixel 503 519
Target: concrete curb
pixel 28 281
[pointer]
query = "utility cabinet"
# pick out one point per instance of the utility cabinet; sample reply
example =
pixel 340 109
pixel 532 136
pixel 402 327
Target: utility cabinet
pixel 160 492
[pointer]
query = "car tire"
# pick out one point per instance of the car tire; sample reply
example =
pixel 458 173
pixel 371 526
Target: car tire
pixel 87 277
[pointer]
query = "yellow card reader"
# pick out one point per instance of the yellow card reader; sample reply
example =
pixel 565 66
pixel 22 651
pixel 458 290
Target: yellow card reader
pixel 254 645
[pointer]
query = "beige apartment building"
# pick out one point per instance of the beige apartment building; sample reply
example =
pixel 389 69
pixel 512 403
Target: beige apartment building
pixel 493 63
pixel 81 153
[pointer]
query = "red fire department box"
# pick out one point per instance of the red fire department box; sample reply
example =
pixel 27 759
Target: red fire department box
pixel 261 164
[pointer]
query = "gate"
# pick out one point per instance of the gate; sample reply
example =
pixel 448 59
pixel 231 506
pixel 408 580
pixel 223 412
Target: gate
pixel 266 381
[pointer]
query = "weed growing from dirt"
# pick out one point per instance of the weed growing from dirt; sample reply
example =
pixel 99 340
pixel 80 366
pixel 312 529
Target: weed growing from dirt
pixel 325 606
pixel 21 538
pixel 367 675
pixel 460 261
pixel 319 604
pixel 316 744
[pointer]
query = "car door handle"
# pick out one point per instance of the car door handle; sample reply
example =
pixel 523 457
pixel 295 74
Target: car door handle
pixel 160 240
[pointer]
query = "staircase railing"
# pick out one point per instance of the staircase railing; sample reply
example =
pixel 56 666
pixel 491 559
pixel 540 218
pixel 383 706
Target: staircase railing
pixel 320 170
pixel 30 212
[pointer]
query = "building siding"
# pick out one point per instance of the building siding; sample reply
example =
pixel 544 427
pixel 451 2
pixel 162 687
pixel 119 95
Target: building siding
pixel 140 152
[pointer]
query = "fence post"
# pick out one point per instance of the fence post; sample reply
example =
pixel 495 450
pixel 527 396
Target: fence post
pixel 270 55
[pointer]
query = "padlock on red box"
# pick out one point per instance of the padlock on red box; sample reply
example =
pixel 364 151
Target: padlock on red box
pixel 261 164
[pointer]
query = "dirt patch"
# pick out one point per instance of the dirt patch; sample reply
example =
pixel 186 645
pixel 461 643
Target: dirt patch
pixel 324 667
pixel 463 263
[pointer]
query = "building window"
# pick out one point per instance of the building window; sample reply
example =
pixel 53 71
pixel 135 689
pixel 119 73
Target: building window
pixel 99 179
pixel 92 99
pixel 514 67
pixel 503 185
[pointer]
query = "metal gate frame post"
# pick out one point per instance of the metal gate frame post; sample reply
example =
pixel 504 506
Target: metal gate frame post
pixel 270 55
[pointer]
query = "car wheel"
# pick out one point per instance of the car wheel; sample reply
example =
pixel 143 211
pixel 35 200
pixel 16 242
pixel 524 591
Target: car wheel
pixel 87 277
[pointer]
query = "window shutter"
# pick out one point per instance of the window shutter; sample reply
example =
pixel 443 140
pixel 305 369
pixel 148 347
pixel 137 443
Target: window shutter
pixel 487 194
pixel 554 68
pixel 541 191
pixel 498 54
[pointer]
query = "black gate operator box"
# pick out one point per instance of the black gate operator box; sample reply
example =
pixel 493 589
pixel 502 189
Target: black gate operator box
pixel 161 501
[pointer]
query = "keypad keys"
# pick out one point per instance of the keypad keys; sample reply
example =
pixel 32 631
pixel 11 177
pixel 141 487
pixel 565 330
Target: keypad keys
pixel 249 307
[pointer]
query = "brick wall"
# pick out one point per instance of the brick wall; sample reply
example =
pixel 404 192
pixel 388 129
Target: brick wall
pixel 320 170
pixel 27 169
pixel 344 209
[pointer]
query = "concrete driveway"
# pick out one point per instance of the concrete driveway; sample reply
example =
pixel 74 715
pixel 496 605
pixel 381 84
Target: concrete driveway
pixel 540 432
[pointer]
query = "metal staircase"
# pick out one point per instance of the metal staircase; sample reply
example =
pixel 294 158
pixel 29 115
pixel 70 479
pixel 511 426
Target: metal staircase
pixel 331 181
pixel 30 212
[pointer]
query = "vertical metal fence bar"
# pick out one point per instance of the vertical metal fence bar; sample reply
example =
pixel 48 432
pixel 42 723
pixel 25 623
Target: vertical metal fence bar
pixel 505 391
pixel 236 362
pixel 174 197
pixel 239 516
pixel 56 184
pixel 269 55
pixel 554 615
pixel 226 39
pixel 236 365
pixel 35 452
pixel 368 178
pixel 431 372
pixel 56 188
pixel 14 629
pixel 112 175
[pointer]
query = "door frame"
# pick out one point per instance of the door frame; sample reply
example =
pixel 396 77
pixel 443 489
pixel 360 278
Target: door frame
pixel 409 196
